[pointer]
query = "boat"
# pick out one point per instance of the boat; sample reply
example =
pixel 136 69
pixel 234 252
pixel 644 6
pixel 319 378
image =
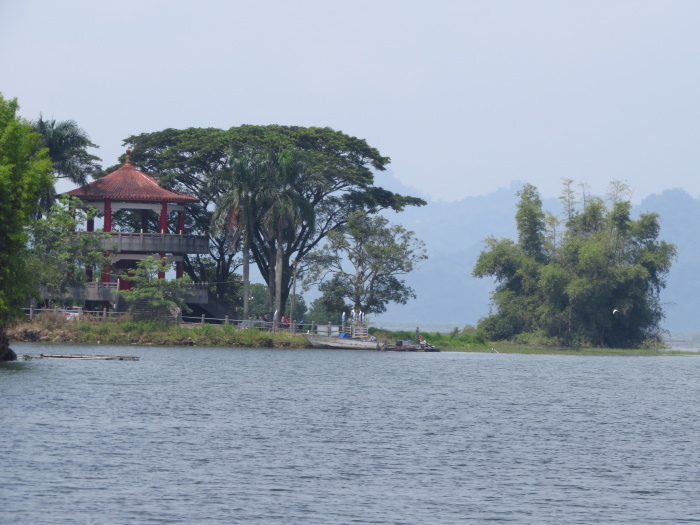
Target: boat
pixel 341 343
pixel 347 343
pixel 410 348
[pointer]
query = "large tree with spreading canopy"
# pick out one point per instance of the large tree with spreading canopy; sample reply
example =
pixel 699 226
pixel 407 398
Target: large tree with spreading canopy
pixel 193 160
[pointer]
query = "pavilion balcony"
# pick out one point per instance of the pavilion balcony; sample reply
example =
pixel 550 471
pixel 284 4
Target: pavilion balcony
pixel 156 242
pixel 198 292
pixel 88 292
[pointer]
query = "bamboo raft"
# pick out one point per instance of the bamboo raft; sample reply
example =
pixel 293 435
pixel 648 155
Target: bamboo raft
pixel 93 357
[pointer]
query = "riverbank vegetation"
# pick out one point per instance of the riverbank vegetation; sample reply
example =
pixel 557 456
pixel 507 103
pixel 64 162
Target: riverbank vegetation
pixel 53 328
pixel 467 339
pixel 25 175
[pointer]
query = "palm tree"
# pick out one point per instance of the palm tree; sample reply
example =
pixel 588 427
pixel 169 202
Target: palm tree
pixel 236 211
pixel 67 144
pixel 262 197
pixel 284 206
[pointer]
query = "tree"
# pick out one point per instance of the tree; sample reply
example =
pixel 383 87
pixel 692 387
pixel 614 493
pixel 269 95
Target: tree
pixel 261 195
pixel 600 285
pixel 284 209
pixel 260 303
pixel 323 313
pixel 365 261
pixel 60 256
pixel 328 308
pixel 531 222
pixel 187 160
pixel 236 210
pixel 25 173
pixel 67 146
pixel 158 296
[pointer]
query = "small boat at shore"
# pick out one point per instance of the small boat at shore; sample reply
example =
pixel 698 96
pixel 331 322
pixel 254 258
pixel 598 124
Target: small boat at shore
pixel 347 343
pixel 341 343
pixel 410 348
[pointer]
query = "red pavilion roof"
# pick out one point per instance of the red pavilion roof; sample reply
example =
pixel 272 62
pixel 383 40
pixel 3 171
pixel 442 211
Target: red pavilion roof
pixel 129 184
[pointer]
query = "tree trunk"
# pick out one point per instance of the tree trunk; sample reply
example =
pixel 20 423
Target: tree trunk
pixel 246 278
pixel 6 353
pixel 278 275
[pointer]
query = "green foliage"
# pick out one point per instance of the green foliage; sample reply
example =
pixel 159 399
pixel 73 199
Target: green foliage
pixel 259 300
pixel 237 214
pixel 260 303
pixel 328 308
pixel 67 146
pixel 300 308
pixel 365 260
pixel 565 291
pixel 24 175
pixel 531 222
pixel 465 339
pixel 60 254
pixel 158 295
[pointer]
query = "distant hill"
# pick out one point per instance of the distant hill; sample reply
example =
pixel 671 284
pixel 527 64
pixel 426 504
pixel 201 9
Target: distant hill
pixel 454 233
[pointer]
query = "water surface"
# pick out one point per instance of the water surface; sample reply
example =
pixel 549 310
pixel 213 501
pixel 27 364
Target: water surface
pixel 206 435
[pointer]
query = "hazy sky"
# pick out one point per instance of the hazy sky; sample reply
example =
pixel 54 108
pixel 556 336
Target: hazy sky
pixel 464 96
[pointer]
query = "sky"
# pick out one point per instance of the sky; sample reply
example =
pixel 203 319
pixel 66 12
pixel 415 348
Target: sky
pixel 464 96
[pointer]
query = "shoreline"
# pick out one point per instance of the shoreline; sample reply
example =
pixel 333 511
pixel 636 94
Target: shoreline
pixel 99 333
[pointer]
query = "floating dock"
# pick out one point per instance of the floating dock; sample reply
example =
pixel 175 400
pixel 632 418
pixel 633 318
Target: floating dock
pixel 92 357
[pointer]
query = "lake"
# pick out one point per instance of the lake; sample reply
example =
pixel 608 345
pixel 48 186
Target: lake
pixel 258 436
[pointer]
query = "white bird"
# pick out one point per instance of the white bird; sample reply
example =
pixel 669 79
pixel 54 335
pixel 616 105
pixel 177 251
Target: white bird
pixel 615 311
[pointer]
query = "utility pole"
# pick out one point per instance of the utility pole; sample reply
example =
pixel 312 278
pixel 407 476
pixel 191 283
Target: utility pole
pixel 294 295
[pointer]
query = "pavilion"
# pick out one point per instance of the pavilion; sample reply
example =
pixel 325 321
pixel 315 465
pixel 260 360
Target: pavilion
pixel 130 189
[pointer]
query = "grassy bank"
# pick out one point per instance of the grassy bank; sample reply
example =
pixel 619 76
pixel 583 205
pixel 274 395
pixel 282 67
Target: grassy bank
pixel 465 340
pixel 471 340
pixel 52 328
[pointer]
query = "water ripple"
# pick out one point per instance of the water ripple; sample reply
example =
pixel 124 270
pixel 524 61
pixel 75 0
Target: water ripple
pixel 267 436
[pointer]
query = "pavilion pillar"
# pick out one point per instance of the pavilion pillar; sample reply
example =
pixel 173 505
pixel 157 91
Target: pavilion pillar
pixel 106 274
pixel 164 217
pixel 108 215
pixel 181 222
pixel 161 275
pixel 179 265
pixel 90 228
pixel 107 228
pixel 163 229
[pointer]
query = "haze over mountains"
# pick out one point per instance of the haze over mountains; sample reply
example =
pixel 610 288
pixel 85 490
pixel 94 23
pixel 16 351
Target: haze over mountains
pixel 454 233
